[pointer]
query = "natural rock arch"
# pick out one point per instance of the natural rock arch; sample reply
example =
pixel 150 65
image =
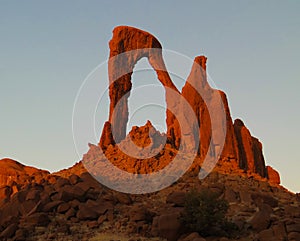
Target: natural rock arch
pixel 127 46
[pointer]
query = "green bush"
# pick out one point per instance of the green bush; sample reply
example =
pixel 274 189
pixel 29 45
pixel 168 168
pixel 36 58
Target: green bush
pixel 205 213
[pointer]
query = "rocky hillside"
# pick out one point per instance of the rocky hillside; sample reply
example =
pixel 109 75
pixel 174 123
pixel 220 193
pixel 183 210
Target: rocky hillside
pixel 13 171
pixel 72 205
pixel 79 208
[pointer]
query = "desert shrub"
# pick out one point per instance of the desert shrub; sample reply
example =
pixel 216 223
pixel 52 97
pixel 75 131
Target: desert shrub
pixel 205 213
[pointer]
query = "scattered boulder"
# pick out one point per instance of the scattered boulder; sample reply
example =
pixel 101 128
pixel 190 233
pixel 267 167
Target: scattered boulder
pixel 167 226
pixel 74 179
pixel 68 193
pixel 9 231
pixel 64 207
pixel 138 213
pixel 50 206
pixel 266 235
pixel 294 236
pixel 176 198
pixel 37 219
pixel 123 198
pixel 86 213
pixel 261 219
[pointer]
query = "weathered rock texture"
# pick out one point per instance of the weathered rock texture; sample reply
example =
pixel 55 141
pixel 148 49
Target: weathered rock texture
pixel 13 171
pixel 127 46
pixel 250 150
pixel 194 123
pixel 273 175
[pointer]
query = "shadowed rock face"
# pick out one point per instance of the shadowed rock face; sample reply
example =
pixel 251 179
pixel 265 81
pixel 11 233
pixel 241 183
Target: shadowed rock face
pixel 250 150
pixel 127 46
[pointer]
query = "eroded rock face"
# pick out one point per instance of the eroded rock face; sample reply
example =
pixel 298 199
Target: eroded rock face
pixel 193 90
pixel 127 46
pixel 250 150
pixel 13 171
pixel 191 114
pixel 273 175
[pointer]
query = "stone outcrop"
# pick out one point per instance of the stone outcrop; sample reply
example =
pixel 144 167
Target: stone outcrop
pixel 250 150
pixel 273 175
pixel 201 96
pixel 192 115
pixel 127 46
pixel 13 171
pixel 197 81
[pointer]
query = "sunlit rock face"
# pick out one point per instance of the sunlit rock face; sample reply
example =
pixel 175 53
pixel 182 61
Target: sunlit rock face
pixel 194 125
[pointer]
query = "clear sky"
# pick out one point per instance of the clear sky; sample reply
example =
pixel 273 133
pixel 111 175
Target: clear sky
pixel 47 48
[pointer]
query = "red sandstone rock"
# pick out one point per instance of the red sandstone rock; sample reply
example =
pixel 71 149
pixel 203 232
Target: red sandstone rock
pixel 273 175
pixel 11 170
pixel 196 86
pixel 168 226
pixel 127 46
pixel 250 150
pixel 176 198
pixel 206 101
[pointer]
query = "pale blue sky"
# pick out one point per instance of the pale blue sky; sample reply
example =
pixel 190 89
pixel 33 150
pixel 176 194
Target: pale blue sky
pixel 47 48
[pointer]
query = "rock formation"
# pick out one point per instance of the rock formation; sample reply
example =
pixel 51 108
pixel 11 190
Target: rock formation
pixel 250 150
pixel 72 205
pixel 273 175
pixel 127 46
pixel 13 171
pixel 199 100
pixel 189 113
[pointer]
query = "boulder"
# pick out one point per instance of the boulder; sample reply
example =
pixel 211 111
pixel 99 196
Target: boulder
pixel 33 194
pixel 127 46
pixel 91 210
pixel 37 219
pixel 74 179
pixel 259 198
pixel 63 208
pixel 138 213
pixel 266 235
pixel 123 198
pixel 176 198
pixel 279 231
pixel 294 227
pixel 261 219
pixel 294 236
pixel 167 226
pixel 70 192
pixel 50 206
pixel 86 213
pixel 9 231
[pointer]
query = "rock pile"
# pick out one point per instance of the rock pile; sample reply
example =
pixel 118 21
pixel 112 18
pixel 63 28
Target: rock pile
pixel 78 207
